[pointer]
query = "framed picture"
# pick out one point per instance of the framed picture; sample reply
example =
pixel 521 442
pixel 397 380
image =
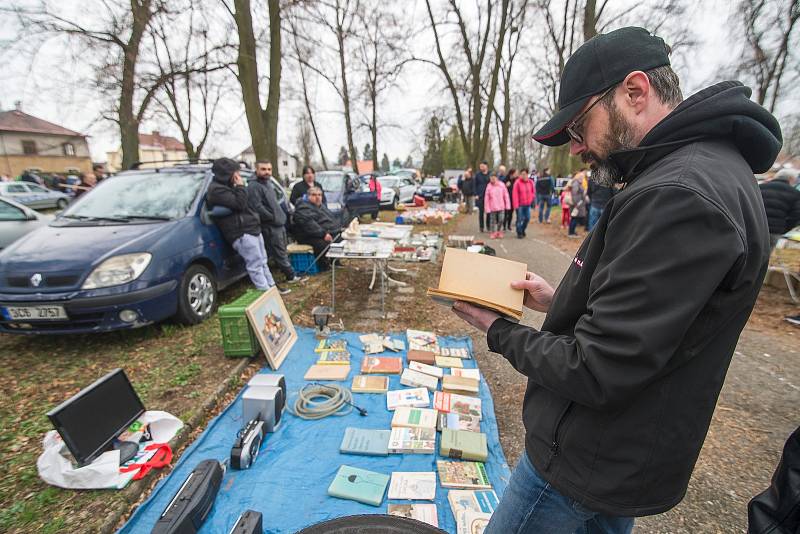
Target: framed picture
pixel 273 326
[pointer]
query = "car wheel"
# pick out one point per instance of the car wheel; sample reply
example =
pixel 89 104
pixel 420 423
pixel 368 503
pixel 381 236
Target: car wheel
pixel 197 296
pixel 62 203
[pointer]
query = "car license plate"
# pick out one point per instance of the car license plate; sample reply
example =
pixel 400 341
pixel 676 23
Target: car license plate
pixel 34 313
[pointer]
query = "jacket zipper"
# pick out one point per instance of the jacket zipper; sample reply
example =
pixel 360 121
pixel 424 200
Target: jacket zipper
pixel 554 447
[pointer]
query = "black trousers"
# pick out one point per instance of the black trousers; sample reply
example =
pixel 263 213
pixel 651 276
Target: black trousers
pixel 275 242
pixel 507 219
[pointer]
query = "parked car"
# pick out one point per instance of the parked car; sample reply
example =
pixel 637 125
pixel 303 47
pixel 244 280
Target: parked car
pixel 431 189
pixel 33 195
pixel 16 220
pixel 138 248
pixel 396 190
pixel 347 195
pixel 407 173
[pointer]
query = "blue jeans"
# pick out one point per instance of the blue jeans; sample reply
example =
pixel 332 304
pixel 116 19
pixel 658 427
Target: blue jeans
pixel 523 218
pixel 594 216
pixel 532 506
pixel 251 248
pixel 543 202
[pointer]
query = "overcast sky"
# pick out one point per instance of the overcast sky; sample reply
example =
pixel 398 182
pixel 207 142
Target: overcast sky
pixel 62 92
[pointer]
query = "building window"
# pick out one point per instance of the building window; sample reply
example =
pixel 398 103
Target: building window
pixel 285 163
pixel 69 149
pixel 29 147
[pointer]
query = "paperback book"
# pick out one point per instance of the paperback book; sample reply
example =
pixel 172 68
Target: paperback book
pixel 359 485
pixel 417 398
pixel 415 379
pixel 413 486
pixel 331 345
pixel 469 522
pixel 466 373
pixel 448 361
pixel 370 384
pixel 454 403
pixel 431 370
pixel 327 372
pixel 464 445
pixel 366 442
pixel 457 421
pixel 422 340
pixel 395 345
pixel 481 501
pixel 463 475
pixel 460 384
pixel 381 365
pixel 412 441
pixel 425 512
pixel 372 343
pixel 414 418
pixel 455 352
pixel 421 356
pixel 334 358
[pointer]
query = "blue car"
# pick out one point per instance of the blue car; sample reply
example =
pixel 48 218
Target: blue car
pixel 137 249
pixel 347 195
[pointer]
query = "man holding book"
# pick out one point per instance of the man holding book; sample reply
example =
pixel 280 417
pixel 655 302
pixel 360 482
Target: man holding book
pixel 625 373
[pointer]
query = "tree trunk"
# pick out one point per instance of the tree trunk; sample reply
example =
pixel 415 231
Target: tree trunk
pixel 248 78
pixel 589 19
pixel 274 97
pixel 346 96
pixel 128 123
pixel 374 132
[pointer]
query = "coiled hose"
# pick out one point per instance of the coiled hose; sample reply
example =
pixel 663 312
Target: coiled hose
pixel 316 401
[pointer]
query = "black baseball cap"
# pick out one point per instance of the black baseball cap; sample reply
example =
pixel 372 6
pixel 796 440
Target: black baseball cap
pixel 601 62
pixel 224 168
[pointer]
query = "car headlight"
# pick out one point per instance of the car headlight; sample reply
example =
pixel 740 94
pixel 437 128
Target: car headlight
pixel 118 270
pixel 334 205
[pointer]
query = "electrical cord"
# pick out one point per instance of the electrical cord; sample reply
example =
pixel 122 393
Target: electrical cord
pixel 308 406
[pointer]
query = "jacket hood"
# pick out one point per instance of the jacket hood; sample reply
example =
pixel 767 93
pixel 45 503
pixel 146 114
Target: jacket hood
pixel 222 180
pixel 722 111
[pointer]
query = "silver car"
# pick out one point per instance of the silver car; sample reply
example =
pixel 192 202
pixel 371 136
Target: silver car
pixel 17 220
pixel 396 190
pixel 33 195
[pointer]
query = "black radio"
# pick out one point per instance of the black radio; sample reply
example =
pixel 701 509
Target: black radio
pixel 248 442
pixel 187 511
pixel 248 523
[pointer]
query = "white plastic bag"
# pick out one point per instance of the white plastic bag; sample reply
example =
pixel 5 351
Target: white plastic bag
pixel 56 469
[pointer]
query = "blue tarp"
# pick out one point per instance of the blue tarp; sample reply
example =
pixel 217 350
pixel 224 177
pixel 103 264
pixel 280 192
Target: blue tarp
pixel 288 482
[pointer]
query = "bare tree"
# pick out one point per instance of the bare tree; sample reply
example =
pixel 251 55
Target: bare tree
pixel 471 70
pixel 304 141
pixel 770 53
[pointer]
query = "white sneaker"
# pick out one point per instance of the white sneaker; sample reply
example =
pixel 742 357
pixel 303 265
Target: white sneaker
pixel 297 279
pixel 283 290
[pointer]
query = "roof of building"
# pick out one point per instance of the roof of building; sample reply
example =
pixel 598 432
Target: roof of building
pixel 19 121
pixel 155 139
pixel 250 152
pixel 363 165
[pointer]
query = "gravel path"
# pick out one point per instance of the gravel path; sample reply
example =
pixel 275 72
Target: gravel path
pixel 756 411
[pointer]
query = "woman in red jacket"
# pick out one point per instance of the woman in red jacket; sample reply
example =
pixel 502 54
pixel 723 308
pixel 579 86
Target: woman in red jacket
pixel 522 197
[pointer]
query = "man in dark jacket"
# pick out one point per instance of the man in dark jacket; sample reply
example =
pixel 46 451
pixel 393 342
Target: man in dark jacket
pixel 467 187
pixel 315 225
pixel 241 228
pixel 545 186
pixel 599 195
pixel 264 200
pixel 782 203
pixel 625 372
pixel 481 181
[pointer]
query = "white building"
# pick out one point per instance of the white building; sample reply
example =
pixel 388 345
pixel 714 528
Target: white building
pixel 153 148
pixel 286 167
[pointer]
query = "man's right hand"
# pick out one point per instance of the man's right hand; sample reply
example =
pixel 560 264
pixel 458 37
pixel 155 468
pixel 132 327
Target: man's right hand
pixel 236 180
pixel 538 293
pixel 328 238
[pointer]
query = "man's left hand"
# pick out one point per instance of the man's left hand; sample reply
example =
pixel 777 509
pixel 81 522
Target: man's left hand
pixel 480 318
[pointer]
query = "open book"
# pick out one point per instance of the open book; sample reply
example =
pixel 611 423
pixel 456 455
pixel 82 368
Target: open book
pixel 481 280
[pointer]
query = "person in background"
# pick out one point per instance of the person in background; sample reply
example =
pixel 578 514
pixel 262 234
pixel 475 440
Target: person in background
pixel 481 181
pixel 375 186
pixel 315 225
pixel 544 190
pixel 264 201
pixel 564 200
pixel 496 202
pixel 501 173
pixel 241 228
pixel 599 195
pixel 509 183
pixel 577 205
pixel 467 187
pixel 88 181
pixel 99 170
pixel 5 178
pixel 782 204
pixel 522 197
pixel 301 188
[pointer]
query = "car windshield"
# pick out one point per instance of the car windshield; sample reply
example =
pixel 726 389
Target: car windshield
pixel 331 181
pixel 139 196
pixel 431 181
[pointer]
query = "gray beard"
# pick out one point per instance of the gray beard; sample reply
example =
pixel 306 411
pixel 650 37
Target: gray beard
pixel 620 136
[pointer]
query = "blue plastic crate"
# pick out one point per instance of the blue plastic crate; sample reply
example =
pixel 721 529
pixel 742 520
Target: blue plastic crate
pixel 301 263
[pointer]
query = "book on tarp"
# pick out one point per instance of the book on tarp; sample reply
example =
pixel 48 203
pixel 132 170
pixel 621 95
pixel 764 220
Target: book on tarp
pixel 413 486
pixel 425 512
pixel 331 345
pixel 414 418
pixel 334 358
pixel 469 522
pixel 481 501
pixel 422 356
pixel 463 445
pixel 412 441
pixel 432 370
pixel 466 373
pixel 416 397
pixel 448 362
pixel 382 365
pixel 422 340
pixel 458 421
pixel 415 379
pixel 466 475
pixel 395 345
pixel 366 442
pixel 455 352
pixel 482 280
pixel 372 343
pixel 370 384
pixel 460 384
pixel 327 372
pixel 359 485
pixel 454 403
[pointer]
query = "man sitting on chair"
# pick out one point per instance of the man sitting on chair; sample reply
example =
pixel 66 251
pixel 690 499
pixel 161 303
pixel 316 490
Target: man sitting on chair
pixel 315 225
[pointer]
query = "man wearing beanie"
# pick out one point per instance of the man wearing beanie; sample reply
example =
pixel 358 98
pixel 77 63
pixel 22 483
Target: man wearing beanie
pixel 624 374
pixel 241 228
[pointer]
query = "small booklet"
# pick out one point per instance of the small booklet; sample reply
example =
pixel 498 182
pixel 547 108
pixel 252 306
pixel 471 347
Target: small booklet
pixel 394 345
pixel 466 475
pixel 469 522
pixel 334 358
pixel 366 442
pixel 327 372
pixel 331 345
pixel 431 370
pixel 482 280
pixel 425 512
pixel 466 373
pixel 455 352
pixel 416 397
pixel 373 343
pixel 463 445
pixel 414 418
pixel 454 403
pixel 413 486
pixel 370 384
pixel 422 340
pixel 381 365
pixel 458 421
pixel 481 501
pixel 359 485
pixel 412 441
pixel 415 379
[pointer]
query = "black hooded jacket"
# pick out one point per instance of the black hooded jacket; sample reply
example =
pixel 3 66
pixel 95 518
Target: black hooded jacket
pixel 625 373
pixel 243 220
pixel 782 203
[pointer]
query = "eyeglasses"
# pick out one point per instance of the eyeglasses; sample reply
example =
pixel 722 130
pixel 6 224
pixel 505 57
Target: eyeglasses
pixel 572 128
